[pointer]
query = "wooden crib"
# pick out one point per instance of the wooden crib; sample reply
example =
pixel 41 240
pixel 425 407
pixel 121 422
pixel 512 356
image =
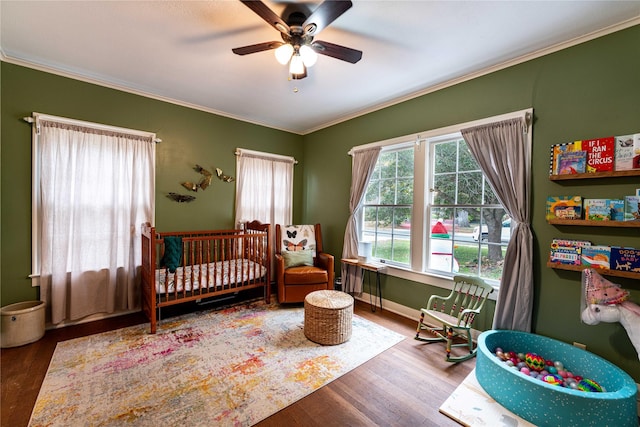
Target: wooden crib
pixel 179 267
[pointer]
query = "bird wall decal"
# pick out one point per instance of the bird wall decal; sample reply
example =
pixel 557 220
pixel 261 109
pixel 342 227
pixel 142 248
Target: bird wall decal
pixel 190 186
pixel 181 198
pixel 204 182
pixel 223 177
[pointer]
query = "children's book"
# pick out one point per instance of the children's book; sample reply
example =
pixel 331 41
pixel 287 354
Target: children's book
pixel 631 208
pixel 564 207
pixel 604 209
pixel 627 149
pixel 596 256
pixel 600 154
pixel 572 162
pixel 558 149
pixel 565 255
pixel 636 151
pixel 625 259
pixel 565 251
pixel 570 242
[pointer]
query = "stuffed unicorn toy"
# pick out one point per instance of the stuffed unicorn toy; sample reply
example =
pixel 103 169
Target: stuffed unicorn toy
pixel 607 302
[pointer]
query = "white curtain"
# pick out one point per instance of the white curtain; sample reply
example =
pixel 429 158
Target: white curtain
pixel 264 187
pixel 503 152
pixel 362 165
pixel 96 188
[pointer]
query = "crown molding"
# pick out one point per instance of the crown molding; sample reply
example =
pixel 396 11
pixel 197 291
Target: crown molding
pixel 510 63
pixel 123 88
pixel 519 60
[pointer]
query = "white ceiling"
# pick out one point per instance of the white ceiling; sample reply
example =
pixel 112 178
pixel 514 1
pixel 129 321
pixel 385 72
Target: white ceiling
pixel 180 51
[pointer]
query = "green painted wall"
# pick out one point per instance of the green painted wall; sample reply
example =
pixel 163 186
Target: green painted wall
pixel 590 90
pixel 188 137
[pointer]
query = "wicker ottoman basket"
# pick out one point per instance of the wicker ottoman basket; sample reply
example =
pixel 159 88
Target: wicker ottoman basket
pixel 328 316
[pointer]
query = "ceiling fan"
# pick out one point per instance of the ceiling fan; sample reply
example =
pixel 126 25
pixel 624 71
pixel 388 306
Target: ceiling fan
pixel 298 48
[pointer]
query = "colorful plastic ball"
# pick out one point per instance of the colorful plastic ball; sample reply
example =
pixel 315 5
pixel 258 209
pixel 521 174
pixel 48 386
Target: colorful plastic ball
pixel 521 356
pixel 573 385
pixel 548 362
pixel 552 370
pixel 589 385
pixel 559 365
pixel 525 370
pixel 563 374
pixel 544 372
pixel 534 361
pixel 498 349
pixel 553 379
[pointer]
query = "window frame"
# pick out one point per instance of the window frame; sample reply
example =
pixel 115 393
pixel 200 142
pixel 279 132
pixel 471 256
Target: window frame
pixel 395 148
pixel 480 205
pixel 36 164
pixel 417 270
pixel 285 214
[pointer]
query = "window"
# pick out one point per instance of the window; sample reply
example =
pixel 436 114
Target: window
pixel 93 187
pixel 466 219
pixel 429 208
pixel 264 187
pixel 387 207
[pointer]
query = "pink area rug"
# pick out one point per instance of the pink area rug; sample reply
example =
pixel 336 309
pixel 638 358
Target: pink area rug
pixel 231 367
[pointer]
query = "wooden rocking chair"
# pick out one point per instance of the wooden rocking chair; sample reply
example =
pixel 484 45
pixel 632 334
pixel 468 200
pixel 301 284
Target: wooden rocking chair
pixel 454 314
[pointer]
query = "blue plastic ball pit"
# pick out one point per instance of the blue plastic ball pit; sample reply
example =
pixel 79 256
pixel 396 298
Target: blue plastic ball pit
pixel 550 405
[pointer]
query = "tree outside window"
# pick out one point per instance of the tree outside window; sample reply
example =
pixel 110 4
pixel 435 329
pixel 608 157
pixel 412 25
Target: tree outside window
pixel 462 198
pixel 387 206
pixel 466 228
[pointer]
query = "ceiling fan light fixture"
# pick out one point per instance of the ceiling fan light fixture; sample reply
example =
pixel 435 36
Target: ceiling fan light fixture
pixel 309 56
pixel 283 53
pixel 297 31
pixel 296 66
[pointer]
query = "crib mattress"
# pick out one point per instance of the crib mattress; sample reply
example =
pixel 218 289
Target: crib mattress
pixel 219 275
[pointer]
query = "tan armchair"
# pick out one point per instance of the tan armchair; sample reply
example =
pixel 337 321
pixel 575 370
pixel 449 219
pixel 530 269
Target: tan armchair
pixel 301 266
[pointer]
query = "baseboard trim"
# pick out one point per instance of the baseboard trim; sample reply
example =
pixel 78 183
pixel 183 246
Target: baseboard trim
pixel 402 310
pixel 90 318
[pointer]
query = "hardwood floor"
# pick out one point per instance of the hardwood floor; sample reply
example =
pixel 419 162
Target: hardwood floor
pixel 403 386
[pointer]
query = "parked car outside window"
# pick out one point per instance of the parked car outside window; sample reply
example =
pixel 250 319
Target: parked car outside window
pixel 505 234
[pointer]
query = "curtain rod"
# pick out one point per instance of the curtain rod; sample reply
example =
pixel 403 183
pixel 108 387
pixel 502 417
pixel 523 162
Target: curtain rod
pixel 526 114
pixel 36 116
pixel 261 154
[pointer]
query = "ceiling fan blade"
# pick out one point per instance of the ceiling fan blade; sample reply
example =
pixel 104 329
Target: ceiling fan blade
pixel 324 15
pixel 263 11
pixel 245 50
pixel 337 51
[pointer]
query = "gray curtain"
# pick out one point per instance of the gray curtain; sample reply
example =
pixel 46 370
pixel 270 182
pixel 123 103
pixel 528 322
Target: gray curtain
pixel 362 165
pixel 504 155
